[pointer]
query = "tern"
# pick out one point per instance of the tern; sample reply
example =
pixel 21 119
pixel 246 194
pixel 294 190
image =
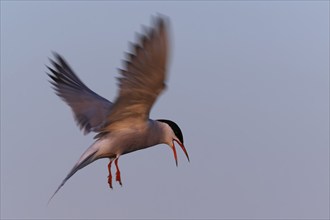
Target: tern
pixel 122 126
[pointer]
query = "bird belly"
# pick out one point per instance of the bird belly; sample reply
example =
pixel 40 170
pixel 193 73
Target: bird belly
pixel 127 141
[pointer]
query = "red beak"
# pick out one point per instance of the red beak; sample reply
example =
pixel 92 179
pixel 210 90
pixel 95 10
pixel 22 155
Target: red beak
pixel 174 151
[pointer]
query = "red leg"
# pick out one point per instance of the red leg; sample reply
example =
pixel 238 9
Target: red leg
pixel 110 176
pixel 118 171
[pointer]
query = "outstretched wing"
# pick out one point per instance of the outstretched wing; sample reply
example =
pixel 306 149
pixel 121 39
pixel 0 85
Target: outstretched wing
pixel 90 110
pixel 143 78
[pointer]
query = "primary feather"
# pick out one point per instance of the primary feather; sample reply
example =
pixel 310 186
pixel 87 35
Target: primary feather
pixel 90 109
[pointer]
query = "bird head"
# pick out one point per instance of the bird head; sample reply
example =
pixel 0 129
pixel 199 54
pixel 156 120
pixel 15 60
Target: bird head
pixel 177 137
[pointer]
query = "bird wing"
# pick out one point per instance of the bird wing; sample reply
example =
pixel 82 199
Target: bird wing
pixel 142 80
pixel 90 109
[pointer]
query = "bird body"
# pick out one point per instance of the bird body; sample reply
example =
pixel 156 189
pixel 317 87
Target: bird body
pixel 135 137
pixel 122 126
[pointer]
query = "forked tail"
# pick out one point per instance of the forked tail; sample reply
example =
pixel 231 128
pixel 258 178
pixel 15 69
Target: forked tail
pixel 88 157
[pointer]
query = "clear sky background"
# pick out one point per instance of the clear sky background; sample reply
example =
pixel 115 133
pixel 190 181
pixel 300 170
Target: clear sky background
pixel 248 85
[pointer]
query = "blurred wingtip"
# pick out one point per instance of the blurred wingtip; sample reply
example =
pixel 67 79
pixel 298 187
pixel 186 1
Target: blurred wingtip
pixel 162 20
pixel 54 53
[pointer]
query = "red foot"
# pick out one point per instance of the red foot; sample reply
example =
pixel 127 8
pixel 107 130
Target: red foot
pixel 110 176
pixel 118 179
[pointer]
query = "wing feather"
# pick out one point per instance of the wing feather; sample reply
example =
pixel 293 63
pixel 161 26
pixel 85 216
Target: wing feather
pixel 90 109
pixel 142 79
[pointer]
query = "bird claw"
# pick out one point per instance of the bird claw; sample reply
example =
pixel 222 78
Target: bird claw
pixel 110 181
pixel 118 178
pixel 110 176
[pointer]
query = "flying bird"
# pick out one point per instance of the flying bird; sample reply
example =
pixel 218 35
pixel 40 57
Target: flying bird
pixel 122 126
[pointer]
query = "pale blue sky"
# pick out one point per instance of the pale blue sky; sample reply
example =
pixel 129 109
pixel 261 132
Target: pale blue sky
pixel 248 85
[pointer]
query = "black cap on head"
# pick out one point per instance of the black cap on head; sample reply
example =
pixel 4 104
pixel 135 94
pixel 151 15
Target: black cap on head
pixel 175 128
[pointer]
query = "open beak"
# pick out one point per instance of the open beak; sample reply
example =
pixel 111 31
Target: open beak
pixel 174 151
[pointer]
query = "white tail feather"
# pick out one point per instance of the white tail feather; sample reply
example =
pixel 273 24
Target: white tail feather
pixel 89 156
